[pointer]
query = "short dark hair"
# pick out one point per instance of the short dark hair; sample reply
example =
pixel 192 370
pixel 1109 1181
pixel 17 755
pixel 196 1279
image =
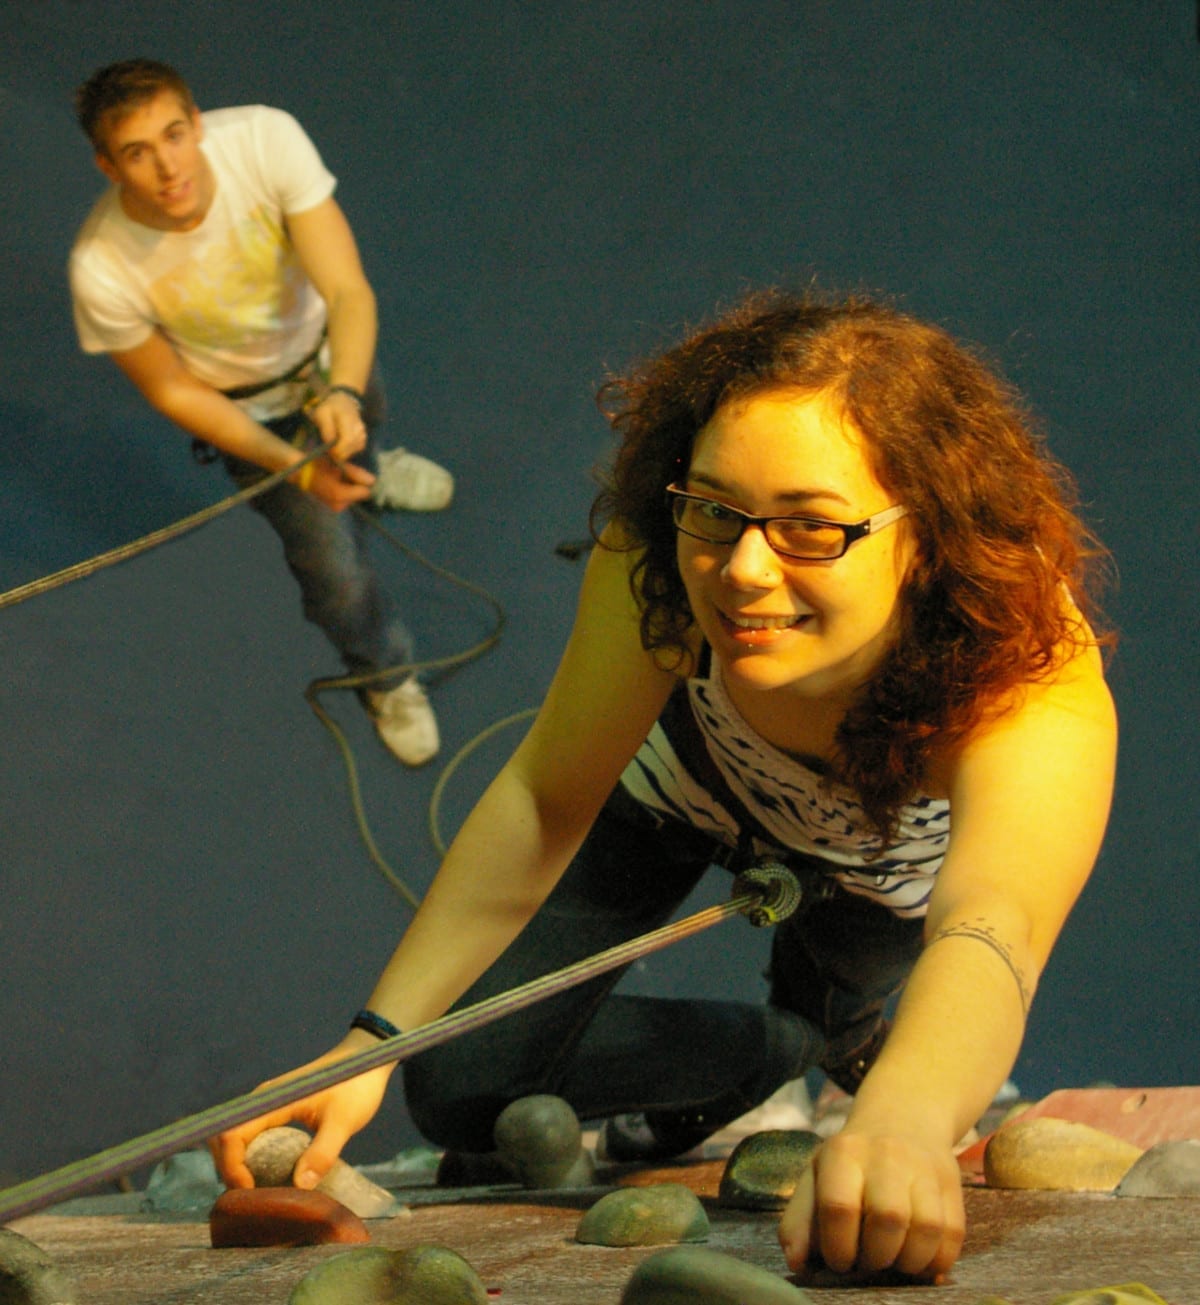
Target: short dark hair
pixel 1005 564
pixel 113 91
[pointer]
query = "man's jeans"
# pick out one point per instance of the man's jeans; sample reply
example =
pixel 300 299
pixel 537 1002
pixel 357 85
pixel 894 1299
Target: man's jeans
pixel 327 553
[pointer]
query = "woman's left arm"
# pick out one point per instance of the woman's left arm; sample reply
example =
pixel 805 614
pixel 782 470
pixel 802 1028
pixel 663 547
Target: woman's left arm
pixel 1029 797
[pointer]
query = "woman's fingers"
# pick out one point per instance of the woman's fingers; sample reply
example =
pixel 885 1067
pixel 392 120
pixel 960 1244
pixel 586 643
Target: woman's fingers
pixel 870 1203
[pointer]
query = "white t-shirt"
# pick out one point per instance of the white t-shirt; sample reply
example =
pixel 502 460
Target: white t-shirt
pixel 230 295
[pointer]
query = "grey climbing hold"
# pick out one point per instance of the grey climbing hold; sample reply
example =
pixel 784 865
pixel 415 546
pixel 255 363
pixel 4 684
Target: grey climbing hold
pixel 272 1156
pixel 645 1216
pixel 1167 1169
pixel 28 1276
pixel 182 1182
pixel 695 1275
pixel 539 1139
pixel 764 1168
pixel 420 1275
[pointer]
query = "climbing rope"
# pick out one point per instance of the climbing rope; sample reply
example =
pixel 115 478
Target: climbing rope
pixel 124 552
pixel 765 893
pixel 326 684
pixel 329 683
pixel 439 789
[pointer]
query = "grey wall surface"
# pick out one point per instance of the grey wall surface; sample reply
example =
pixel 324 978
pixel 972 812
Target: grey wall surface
pixel 542 191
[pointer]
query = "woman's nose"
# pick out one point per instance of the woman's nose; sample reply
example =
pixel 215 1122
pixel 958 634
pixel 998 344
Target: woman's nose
pixel 752 562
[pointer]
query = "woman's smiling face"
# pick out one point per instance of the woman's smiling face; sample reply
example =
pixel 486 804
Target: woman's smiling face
pixel 819 629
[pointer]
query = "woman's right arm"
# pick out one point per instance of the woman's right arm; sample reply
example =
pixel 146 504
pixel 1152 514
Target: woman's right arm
pixel 511 851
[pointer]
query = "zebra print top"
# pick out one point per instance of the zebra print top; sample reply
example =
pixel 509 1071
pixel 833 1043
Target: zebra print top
pixel 703 764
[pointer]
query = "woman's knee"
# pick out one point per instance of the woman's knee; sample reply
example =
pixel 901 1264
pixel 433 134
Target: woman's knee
pixel 448 1108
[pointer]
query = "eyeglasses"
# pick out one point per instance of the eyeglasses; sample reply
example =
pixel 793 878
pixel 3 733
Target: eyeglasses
pixel 810 539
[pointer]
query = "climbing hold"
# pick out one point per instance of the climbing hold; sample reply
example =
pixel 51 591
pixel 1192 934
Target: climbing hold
pixel 644 1216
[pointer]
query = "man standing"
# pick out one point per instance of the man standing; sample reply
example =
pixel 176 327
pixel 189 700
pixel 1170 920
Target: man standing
pixel 221 276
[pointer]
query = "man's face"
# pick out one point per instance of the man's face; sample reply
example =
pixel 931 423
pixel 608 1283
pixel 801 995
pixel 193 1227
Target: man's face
pixel 153 154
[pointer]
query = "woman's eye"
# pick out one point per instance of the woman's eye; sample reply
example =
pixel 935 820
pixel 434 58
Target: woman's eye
pixel 805 532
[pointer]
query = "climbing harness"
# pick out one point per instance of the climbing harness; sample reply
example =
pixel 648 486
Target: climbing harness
pixel 765 893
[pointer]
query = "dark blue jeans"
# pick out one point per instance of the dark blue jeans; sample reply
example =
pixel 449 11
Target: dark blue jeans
pixel 328 555
pixel 834 964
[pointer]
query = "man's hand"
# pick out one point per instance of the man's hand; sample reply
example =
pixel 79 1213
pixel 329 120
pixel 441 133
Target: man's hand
pixel 338 418
pixel 339 484
pixel 876 1202
pixel 333 1115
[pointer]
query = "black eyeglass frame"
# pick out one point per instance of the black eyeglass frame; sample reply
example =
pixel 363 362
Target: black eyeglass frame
pixel 851 531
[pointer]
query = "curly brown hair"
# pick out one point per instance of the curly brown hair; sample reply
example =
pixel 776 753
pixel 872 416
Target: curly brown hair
pixel 994 515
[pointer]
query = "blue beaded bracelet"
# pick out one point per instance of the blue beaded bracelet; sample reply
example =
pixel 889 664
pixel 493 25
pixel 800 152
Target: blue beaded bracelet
pixel 374 1024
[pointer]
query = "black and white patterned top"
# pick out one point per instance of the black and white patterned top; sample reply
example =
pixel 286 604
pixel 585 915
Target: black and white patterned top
pixel 783 805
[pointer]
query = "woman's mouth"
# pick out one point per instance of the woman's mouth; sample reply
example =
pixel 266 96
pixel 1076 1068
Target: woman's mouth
pixel 760 629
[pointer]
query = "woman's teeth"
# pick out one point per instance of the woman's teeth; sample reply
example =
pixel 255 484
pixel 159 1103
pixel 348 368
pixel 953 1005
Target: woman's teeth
pixel 763 622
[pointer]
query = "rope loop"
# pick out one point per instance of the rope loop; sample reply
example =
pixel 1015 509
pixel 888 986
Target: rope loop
pixel 778 889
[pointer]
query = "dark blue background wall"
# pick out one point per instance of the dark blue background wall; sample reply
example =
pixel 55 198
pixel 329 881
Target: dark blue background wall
pixel 542 191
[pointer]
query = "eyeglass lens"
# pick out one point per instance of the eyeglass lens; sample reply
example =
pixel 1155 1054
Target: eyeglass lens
pixel 796 536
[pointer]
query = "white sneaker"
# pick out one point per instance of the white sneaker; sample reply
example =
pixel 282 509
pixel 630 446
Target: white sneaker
pixel 405 722
pixel 407 480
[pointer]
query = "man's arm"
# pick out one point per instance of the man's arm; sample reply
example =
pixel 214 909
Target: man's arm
pixel 328 253
pixel 171 389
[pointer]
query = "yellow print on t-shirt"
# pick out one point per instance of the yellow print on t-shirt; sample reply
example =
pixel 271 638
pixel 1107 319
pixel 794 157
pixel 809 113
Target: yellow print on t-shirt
pixel 237 292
